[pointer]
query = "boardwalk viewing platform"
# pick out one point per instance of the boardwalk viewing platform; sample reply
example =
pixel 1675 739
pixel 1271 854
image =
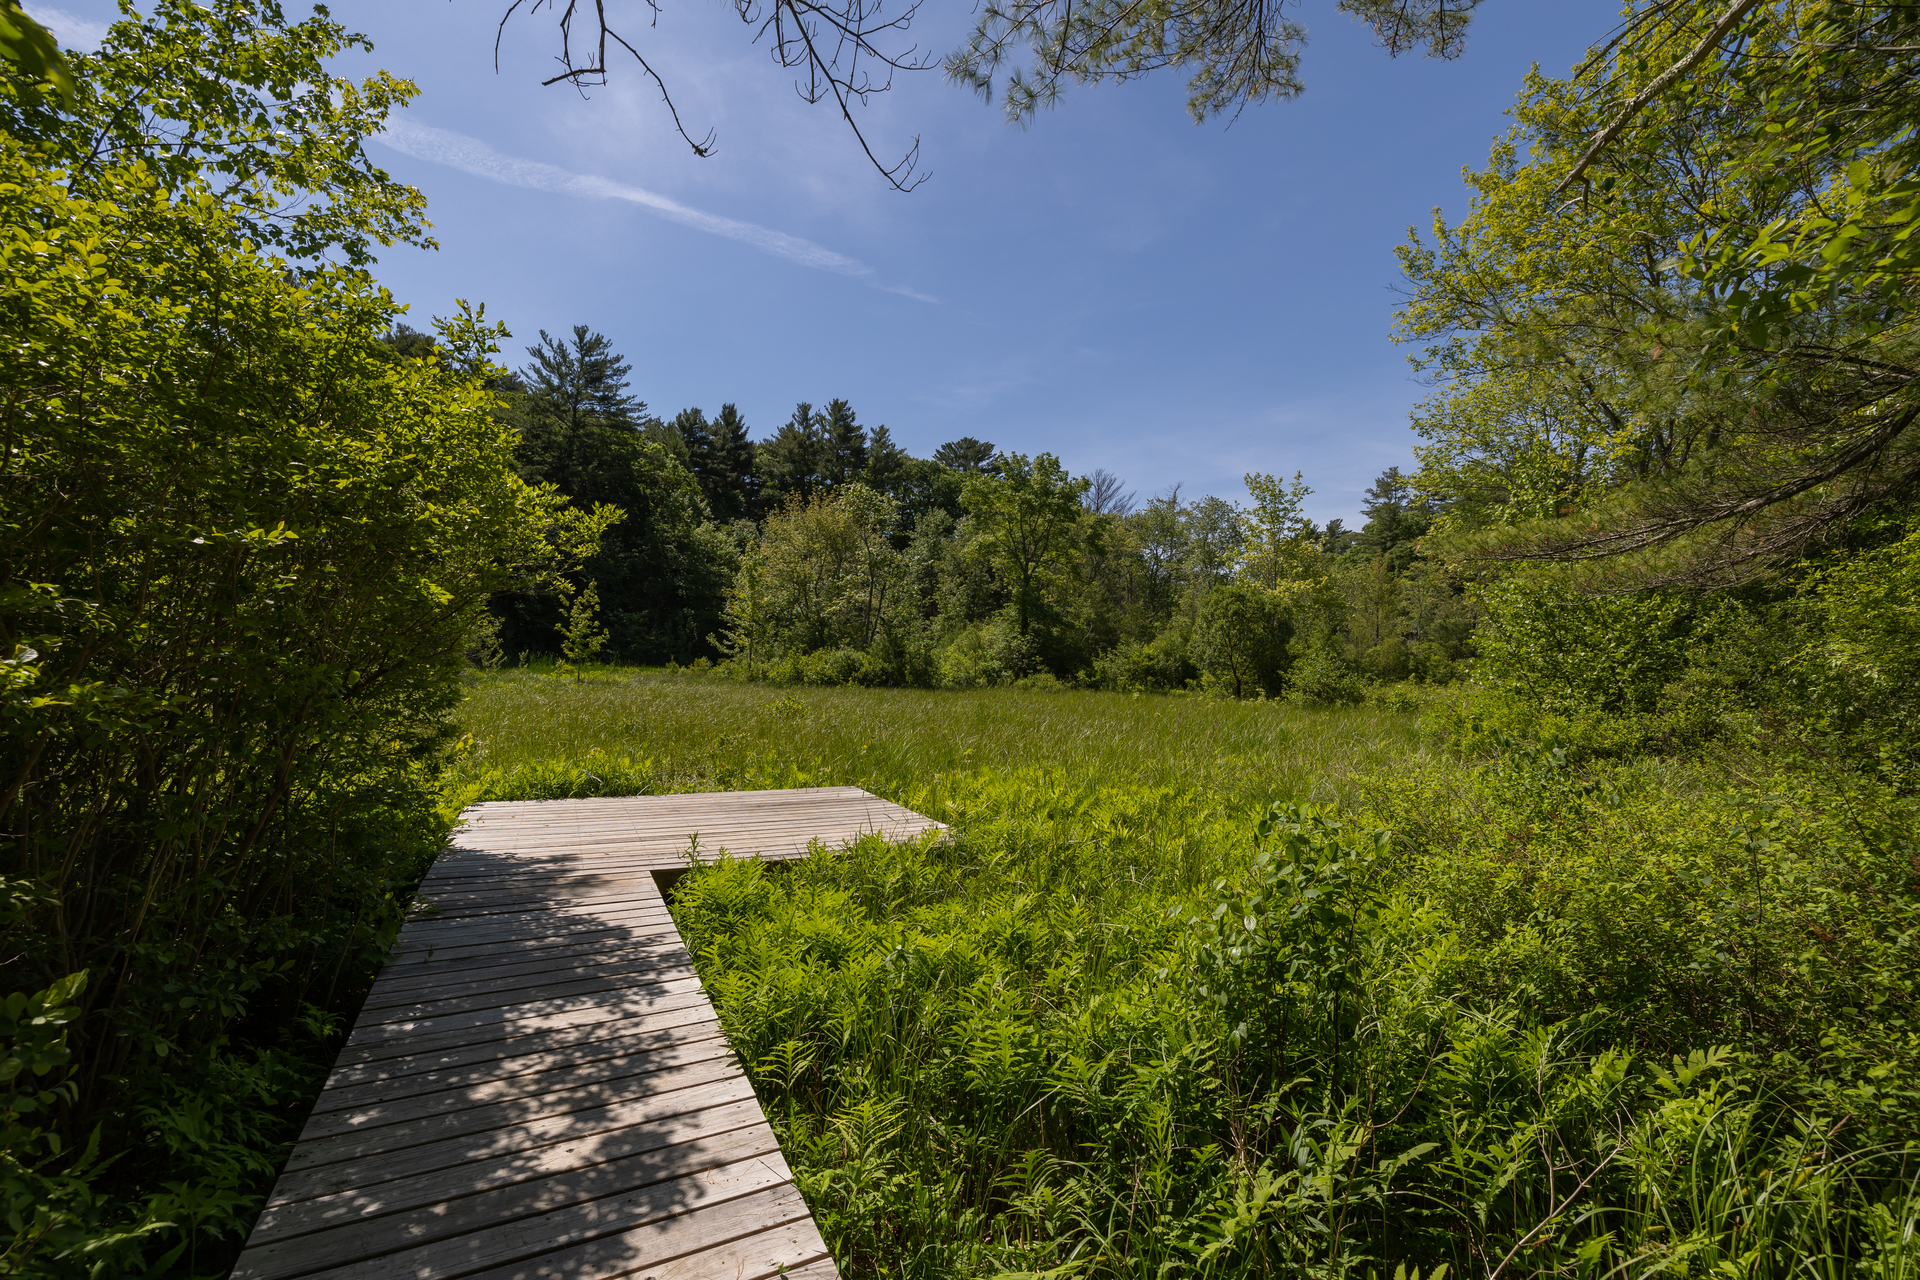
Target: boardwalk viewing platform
pixel 538 1085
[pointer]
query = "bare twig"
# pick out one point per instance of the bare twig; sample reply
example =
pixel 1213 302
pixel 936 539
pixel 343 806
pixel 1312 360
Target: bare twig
pixel 827 39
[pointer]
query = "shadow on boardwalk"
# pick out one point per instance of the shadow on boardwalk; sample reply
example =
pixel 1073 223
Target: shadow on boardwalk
pixel 537 1084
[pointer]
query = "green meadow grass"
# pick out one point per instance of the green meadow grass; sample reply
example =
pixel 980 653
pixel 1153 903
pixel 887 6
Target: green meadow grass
pixel 528 732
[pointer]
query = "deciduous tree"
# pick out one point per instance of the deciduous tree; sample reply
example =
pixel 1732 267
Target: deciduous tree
pixel 1029 521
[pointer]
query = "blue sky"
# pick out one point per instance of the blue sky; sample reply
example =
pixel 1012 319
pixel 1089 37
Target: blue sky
pixel 1114 284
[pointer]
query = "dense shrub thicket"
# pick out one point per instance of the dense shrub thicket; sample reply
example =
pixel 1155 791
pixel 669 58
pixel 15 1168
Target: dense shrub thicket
pixel 242 547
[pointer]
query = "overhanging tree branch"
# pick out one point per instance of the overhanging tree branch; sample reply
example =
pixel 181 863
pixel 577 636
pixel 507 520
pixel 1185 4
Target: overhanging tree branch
pixel 1661 82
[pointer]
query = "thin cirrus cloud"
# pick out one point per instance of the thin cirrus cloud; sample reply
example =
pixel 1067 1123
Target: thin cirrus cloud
pixel 69 29
pixel 470 155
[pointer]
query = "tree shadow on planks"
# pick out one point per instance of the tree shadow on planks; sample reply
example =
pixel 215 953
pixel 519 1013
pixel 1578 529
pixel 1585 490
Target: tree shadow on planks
pixel 536 1085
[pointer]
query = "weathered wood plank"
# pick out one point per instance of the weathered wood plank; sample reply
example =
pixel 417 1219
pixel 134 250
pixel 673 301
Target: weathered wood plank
pixel 438 1188
pixel 744 1239
pixel 631 999
pixel 473 979
pixel 598 1105
pixel 566 981
pixel 419 964
pixel 491 1144
pixel 537 1085
pixel 614 1076
pixel 580 1024
pixel 426 930
pixel 501 1070
pixel 530 1218
pixel 591 1036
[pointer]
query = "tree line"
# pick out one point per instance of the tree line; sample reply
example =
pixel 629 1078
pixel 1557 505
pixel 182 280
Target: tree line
pixel 826 553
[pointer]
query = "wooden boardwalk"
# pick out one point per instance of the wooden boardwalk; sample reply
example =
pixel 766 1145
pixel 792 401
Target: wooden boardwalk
pixel 537 1085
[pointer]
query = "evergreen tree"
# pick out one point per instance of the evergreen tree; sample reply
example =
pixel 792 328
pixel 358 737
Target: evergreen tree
pixel 790 466
pixel 738 496
pixel 1395 518
pixel 1336 538
pixel 660 573
pixel 887 463
pixel 846 444
pixel 667 436
pixel 582 381
pixel 975 457
pixel 702 456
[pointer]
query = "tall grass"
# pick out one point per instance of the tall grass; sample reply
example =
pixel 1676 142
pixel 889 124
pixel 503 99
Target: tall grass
pixel 529 734
pixel 1149 1012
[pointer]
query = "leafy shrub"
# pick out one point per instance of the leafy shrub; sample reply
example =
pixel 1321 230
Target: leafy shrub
pixel 1134 666
pixel 1858 667
pixel 1563 651
pixel 244 551
pixel 1240 639
pixel 995 652
pixel 1319 676
pixel 822 666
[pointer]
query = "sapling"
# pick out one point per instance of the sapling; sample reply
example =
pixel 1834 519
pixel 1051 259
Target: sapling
pixel 581 635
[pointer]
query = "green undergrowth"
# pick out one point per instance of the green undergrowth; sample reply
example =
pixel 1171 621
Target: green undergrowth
pixel 1211 989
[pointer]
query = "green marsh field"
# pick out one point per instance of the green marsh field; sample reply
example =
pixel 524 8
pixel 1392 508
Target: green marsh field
pixel 1201 987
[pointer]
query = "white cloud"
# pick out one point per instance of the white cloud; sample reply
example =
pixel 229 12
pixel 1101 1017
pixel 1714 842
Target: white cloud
pixel 69 29
pixel 470 155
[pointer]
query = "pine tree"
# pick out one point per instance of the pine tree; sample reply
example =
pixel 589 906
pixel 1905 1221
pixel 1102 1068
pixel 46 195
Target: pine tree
pixel 733 459
pixel 658 577
pixel 1395 518
pixel 691 430
pixel 967 454
pixel 846 444
pixel 886 463
pixel 582 381
pixel 790 466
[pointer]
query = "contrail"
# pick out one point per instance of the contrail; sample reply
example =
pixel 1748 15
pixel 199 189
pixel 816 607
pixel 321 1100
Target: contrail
pixel 470 155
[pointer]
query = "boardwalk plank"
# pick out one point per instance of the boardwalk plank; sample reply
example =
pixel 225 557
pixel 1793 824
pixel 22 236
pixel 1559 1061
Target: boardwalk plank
pixel 570 981
pixel 631 999
pixel 689 1038
pixel 748 1238
pixel 613 1077
pixel 560 963
pixel 538 1085
pixel 582 1024
pixel 491 1144
pixel 533 1218
pixel 594 1106
pixel 443 1187
pixel 578 1037
pixel 429 965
